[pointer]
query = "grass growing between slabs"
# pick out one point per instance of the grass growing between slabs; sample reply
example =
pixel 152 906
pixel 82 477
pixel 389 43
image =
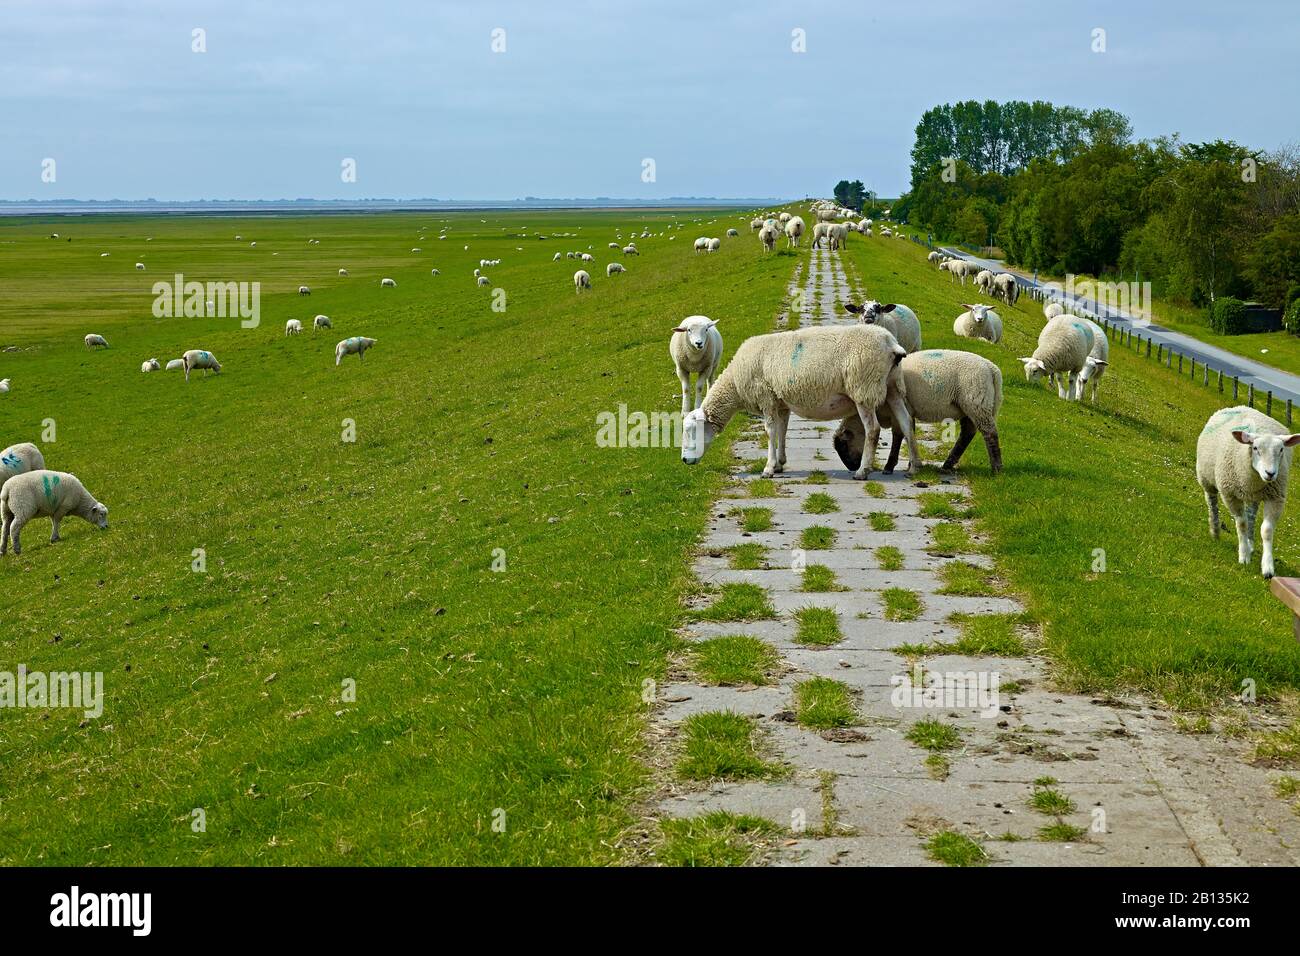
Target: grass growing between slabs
pixel 735 661
pixel 1097 521
pixel 329 562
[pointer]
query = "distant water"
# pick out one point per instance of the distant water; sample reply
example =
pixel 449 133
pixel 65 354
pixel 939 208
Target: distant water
pixel 231 207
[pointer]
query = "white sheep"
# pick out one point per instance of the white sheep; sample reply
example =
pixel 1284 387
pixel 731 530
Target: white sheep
pixel 1052 310
pixel 292 327
pixel 615 245
pixel 885 232
pixel 387 283
pixel 784 217
pixel 54 494
pixel 304 290
pixel 940 385
pixel 1244 456
pixel 984 281
pixel 821 231
pixel 935 257
pixel 794 229
pixel 483 281
pixel 435 272
pixel 587 257
pixel 139 267
pixel 732 232
pixel 899 320
pixel 20 458
pixel 767 236
pixel 96 341
pixel 343 272
pixel 557 257
pixel 959 269
pixel 4 386
pixel 581 280
pixel 715 244
pixel 1006 288
pixel 174 365
pixel 152 365
pixel 614 267
pixel 356 345
pixel 755 225
pixel 1064 345
pixel 696 347
pixel 631 250
pixel 321 322
pixel 820 372
pixel 1095 364
pixel 978 322
pixel 199 358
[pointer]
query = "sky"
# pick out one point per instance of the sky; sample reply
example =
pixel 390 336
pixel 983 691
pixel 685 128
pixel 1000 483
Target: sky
pixel 583 93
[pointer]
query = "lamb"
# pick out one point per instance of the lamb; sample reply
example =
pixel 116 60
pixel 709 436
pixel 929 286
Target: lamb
pixel 631 250
pixel 96 341
pixel 356 345
pixel 794 228
pixel 979 322
pixel 482 281
pixel 820 231
pixel 303 290
pixel 1064 346
pixel 581 280
pixel 767 236
pixel 199 358
pixel 435 272
pixel 1244 456
pixel 292 327
pixel 821 373
pixel 959 268
pixel 614 267
pixel 839 234
pixel 1052 310
pixel 151 365
pixel 885 232
pixel 587 257
pixel 175 364
pixel 54 494
pixel 387 284
pixel 901 321
pixel 321 322
pixel 1006 288
pixel 941 385
pixel 696 346
pixel 784 217
pixel 984 281
pixel 18 459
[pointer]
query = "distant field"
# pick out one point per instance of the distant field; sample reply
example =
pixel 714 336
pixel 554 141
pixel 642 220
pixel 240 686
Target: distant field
pixel 476 692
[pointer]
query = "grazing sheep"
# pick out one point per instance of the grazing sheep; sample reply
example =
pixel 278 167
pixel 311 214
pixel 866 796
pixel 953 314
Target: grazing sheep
pixel 343 272
pixel 984 282
pixel 936 257
pixel 755 225
pixel 303 290
pixel 483 281
pixel 1006 288
pixel 587 257
pixel 614 267
pixel 940 385
pixel 387 284
pixel 784 217
pixel 55 494
pixel 152 365
pixel 96 341
pixel 767 236
pixel 139 266
pixel 979 322
pixel 321 322
pixel 4 386
pixel 1064 347
pixel 820 231
pixel 1244 456
pixel 435 272
pixel 885 232
pixel 292 327
pixel 175 365
pixel 732 232
pixel 557 257
pixel 959 269
pixel 1095 365
pixel 199 358
pixel 1052 310
pixel 20 458
pixel 696 346
pixel 899 320
pixel 794 229
pixel 614 245
pixel 631 250
pixel 581 280
pixel 821 373
pixel 715 244
pixel 356 345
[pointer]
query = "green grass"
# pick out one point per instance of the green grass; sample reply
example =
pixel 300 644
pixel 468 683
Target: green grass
pixel 950 538
pixel 989 635
pixel 901 604
pixel 1279 748
pixel 934 735
pixel 715 839
pixel 369 561
pixel 753 519
pixel 822 704
pixel 817 538
pixel 750 556
pixel 738 602
pixel 1173 614
pixel 817 478
pixel 762 488
pixel 961 577
pixel 938 766
pixel 734 660
pixel 720 745
pixel 817 626
pixel 881 521
pixel 874 488
pixel 1060 832
pixel 955 849
pixel 944 505
pixel 820 503
pixel 889 558
pixel 819 578
pixel 1050 801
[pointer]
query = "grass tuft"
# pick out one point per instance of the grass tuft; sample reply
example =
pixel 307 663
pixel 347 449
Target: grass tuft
pixel 881 521
pixel 753 519
pixel 750 556
pixel 719 838
pixel 819 578
pixel 822 704
pixel 955 849
pixel 901 604
pixel 738 602
pixel 817 626
pixel 820 503
pixel 961 577
pixel 735 661
pixel 817 538
pixel 934 735
pixel 889 558
pixel 721 745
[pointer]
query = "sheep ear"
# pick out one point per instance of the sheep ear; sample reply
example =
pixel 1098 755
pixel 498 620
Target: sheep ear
pixel 1026 361
pixel 679 329
pixel 1099 362
pixel 849 306
pixel 1242 436
pixel 1291 440
pixel 887 308
pixel 714 322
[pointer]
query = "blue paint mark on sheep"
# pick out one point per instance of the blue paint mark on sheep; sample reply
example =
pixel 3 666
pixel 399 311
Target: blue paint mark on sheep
pixel 1087 332
pixel 11 461
pixel 798 354
pixel 51 487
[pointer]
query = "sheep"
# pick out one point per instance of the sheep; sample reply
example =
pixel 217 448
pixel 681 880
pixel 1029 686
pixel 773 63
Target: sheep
pixel 732 232
pixel 631 250
pixel 4 386
pixel 615 245
pixel 1064 347
pixel 984 281
pixel 581 280
pixel 483 281
pixel 784 218
pixel 139 267
pixel 96 341
pixel 417 249
pixel 820 231
pixel 175 365
pixel 821 373
pixel 901 321
pixel 1095 364
pixel 292 327
pixel 587 257
pixel 1006 288
pixel 435 272
pixel 356 345
pixel 387 284
pixel 20 458
pixel 304 290
pixel 152 365
pixel 794 228
pixel 715 244
pixel 940 385
pixel 696 346
pixel 614 267
pixel 885 232
pixel 321 322
pixel 343 272
pixel 959 269
pixel 936 257
pixel 1052 310
pixel 767 236
pixel 1244 456
pixel 755 225
pixel 54 494
pixel 199 358
pixel 978 322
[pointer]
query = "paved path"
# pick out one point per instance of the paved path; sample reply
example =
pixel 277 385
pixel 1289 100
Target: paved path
pixel 1264 377
pixel 1144 793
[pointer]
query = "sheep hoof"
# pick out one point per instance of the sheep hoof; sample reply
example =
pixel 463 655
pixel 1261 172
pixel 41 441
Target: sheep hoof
pixel 768 472
pixel 861 474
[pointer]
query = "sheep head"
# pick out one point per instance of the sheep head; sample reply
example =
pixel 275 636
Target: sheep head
pixel 1266 451
pixel 697 434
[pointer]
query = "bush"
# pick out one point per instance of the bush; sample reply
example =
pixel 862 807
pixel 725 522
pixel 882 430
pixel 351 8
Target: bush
pixel 1228 316
pixel 1291 318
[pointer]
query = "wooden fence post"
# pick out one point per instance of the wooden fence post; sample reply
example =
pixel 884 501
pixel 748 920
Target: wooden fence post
pixel 1250 394
pixel 1268 410
pixel 1236 384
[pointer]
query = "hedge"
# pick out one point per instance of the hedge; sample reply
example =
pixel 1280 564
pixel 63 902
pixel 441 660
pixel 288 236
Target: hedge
pixel 1228 316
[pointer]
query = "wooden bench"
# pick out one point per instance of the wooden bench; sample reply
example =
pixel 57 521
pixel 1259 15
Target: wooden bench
pixel 1287 590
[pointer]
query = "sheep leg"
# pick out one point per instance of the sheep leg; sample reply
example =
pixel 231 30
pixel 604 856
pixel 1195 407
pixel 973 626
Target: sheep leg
pixel 994 448
pixel 699 390
pixel 903 423
pixel 1244 543
pixel 54 535
pixel 685 379
pixel 1272 511
pixel 769 423
pixel 963 439
pixel 15 529
pixel 783 423
pixel 1251 510
pixel 895 446
pixel 5 519
pixel 870 425
pixel 1212 502
pixel 1064 387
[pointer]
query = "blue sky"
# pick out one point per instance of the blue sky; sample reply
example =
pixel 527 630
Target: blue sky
pixel 585 91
